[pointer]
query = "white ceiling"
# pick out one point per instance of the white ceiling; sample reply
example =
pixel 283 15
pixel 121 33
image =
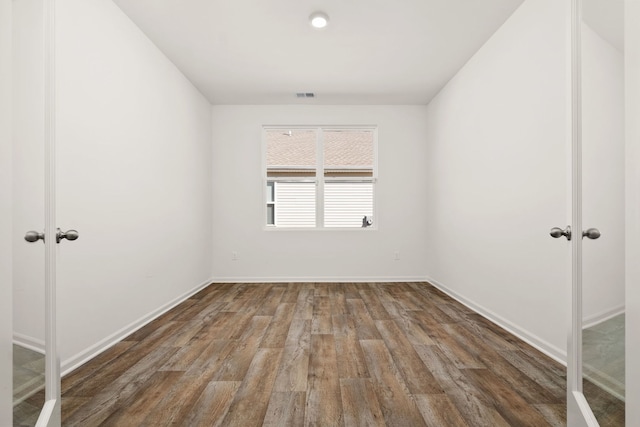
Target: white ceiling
pixel 372 52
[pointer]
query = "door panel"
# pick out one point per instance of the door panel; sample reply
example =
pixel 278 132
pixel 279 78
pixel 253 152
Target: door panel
pixel 603 204
pixel 595 375
pixel 28 211
pixel 6 205
pixel 36 376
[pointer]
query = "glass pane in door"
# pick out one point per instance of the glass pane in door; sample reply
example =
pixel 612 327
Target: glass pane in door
pixel 28 212
pixel 603 173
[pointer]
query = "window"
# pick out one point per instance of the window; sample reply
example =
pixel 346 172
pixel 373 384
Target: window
pixel 321 177
pixel 271 203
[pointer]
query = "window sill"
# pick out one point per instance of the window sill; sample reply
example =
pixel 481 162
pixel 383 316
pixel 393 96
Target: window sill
pixel 317 229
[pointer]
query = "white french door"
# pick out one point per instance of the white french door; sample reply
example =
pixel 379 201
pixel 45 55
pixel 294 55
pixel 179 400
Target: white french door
pixel 596 352
pixel 36 387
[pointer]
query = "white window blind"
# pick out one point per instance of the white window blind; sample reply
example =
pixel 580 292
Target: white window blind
pixel 346 203
pixel 295 204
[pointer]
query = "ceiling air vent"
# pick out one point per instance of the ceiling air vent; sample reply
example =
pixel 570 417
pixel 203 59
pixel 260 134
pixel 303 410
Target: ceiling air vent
pixel 305 95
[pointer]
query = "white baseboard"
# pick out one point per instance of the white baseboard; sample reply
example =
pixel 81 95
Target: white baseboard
pixel 33 344
pixel 604 381
pixel 550 350
pixel 84 356
pixel 326 279
pixel 603 316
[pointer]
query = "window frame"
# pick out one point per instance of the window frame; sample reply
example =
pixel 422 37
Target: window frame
pixel 319 177
pixel 270 200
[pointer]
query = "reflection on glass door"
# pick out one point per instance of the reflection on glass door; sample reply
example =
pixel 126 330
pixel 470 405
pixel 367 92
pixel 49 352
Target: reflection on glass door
pixel 28 212
pixel 603 204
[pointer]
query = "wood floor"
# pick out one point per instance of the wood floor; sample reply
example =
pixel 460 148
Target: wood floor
pixel 395 354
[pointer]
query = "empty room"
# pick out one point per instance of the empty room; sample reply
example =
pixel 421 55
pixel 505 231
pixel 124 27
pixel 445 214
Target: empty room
pixel 319 213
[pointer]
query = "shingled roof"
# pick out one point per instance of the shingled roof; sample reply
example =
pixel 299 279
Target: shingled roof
pixel 345 152
pixel 291 149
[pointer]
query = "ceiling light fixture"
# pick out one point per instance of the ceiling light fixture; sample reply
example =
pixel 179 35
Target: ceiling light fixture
pixel 319 19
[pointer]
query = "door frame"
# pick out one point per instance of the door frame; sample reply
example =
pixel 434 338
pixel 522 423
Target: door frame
pixel 50 415
pixel 6 225
pixel 632 220
pixel 579 413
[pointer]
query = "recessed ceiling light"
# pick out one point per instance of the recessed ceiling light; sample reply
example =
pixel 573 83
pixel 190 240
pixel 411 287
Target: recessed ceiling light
pixel 319 19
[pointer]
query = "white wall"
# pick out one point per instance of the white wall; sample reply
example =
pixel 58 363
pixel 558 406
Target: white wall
pixel 632 242
pixel 602 176
pixel 268 255
pixel 498 178
pixel 6 299
pixel 134 178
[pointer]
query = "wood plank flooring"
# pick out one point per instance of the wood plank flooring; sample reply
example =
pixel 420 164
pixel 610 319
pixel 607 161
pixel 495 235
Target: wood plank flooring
pixel 304 354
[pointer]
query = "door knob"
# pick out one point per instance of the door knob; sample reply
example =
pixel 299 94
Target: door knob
pixel 558 232
pixel 69 235
pixel 33 236
pixel 591 233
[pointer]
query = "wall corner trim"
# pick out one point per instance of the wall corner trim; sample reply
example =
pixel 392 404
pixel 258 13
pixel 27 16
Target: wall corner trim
pixel 548 349
pixel 84 356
